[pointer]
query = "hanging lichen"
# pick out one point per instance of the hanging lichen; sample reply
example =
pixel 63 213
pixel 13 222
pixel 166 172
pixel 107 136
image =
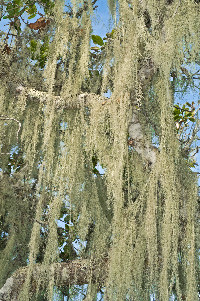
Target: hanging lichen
pixel 140 214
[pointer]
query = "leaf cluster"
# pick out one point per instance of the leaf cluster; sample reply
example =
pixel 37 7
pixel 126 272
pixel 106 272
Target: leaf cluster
pixel 184 114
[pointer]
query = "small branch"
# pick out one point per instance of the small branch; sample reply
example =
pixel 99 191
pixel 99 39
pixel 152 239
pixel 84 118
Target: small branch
pixel 59 102
pixel 190 139
pixel 196 150
pixel 4 153
pixel 196 73
pixel 43 224
pixel 184 110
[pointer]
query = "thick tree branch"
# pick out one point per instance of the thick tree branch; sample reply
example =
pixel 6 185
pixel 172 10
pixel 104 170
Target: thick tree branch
pixel 140 144
pixel 76 272
pixel 147 151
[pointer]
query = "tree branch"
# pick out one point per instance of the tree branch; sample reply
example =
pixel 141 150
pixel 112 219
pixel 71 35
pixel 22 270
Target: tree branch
pixel 147 151
pixel 68 273
pixel 141 145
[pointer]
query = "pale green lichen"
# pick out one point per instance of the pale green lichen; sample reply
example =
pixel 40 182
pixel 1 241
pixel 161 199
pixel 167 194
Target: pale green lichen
pixel 146 222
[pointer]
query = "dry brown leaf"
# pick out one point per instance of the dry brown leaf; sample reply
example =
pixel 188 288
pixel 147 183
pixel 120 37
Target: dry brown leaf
pixel 39 24
pixel 7 49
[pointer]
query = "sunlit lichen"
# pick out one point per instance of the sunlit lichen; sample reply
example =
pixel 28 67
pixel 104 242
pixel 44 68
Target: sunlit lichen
pixel 143 217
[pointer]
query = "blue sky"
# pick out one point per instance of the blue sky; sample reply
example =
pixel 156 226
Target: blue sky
pixel 102 22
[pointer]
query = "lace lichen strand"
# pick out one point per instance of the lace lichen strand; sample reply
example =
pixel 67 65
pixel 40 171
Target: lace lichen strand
pixel 142 216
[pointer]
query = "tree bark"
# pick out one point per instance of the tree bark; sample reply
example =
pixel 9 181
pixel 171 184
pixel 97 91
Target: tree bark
pixel 68 273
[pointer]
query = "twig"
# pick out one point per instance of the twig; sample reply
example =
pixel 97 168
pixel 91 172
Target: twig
pixel 4 153
pixel 41 223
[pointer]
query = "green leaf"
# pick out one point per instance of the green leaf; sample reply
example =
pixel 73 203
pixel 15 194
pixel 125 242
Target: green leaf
pixel 176 111
pixel 32 16
pixel 192 163
pixel 95 171
pixel 17 2
pixel 188 114
pixel 33 45
pixel 177 117
pixel 97 40
pixel 32 11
